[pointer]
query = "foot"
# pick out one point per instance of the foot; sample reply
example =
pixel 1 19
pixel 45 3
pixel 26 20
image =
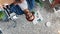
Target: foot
pixel 30 16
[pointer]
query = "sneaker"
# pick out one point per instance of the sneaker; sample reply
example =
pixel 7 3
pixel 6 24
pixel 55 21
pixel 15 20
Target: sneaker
pixel 1 31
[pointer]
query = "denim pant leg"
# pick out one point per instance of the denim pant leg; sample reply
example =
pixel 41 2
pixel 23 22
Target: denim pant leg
pixel 31 4
pixel 18 10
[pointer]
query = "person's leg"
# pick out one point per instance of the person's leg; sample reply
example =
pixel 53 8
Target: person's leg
pixel 24 7
pixel 16 9
pixel 31 4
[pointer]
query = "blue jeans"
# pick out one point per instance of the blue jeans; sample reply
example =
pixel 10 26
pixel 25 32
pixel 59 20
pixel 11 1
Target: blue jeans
pixel 18 10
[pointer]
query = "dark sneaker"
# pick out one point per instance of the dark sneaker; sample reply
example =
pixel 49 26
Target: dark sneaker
pixel 0 31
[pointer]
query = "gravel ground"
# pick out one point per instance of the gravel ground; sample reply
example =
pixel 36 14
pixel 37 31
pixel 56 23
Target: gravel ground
pixel 25 27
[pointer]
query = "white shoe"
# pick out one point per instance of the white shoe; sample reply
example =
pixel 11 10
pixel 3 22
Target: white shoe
pixel 13 16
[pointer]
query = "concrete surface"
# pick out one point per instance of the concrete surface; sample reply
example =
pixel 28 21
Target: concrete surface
pixel 25 27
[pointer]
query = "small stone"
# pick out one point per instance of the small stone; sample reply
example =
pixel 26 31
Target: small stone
pixel 48 24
